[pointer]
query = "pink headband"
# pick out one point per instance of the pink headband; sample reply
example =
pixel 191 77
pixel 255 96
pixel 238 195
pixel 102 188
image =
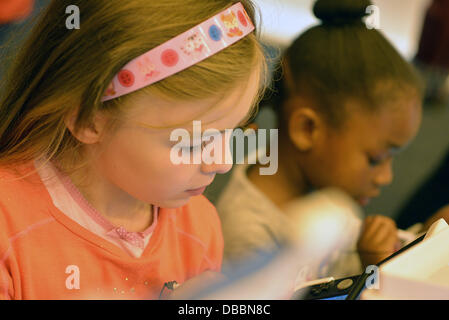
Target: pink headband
pixel 182 52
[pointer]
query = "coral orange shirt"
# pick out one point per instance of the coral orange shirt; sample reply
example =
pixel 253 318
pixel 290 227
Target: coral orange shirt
pixel 46 255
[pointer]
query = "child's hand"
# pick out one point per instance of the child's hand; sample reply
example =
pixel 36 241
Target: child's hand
pixel 195 285
pixel 378 240
pixel 442 213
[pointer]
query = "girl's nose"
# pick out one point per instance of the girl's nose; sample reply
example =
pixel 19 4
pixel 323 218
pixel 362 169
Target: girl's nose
pixel 217 158
pixel 385 175
pixel 216 168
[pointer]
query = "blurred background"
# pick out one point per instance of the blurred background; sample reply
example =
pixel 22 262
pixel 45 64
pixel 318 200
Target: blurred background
pixel 400 21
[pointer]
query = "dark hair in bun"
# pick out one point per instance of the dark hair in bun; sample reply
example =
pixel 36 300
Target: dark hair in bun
pixel 341 11
pixel 341 59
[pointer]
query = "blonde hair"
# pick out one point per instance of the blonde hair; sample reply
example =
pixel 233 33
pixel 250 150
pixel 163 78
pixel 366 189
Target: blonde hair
pixel 59 71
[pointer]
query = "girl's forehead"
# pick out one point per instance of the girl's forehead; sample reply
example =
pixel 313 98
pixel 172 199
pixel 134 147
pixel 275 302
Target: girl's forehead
pixel 386 128
pixel 225 109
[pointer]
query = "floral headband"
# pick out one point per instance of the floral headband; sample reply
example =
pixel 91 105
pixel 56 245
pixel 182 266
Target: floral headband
pixel 182 52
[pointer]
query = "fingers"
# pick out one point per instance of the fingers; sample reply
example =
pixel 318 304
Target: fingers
pixel 378 239
pixel 379 230
pixel 386 235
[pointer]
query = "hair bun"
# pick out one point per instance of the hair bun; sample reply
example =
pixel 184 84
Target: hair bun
pixel 341 11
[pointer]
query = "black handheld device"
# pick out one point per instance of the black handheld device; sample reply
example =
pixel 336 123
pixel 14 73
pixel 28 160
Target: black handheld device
pixel 331 290
pixel 348 288
pixel 359 286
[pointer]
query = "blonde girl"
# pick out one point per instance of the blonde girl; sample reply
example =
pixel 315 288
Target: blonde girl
pixel 91 205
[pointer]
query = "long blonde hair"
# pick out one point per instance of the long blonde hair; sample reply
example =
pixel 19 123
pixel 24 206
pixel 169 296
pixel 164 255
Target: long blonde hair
pixel 58 70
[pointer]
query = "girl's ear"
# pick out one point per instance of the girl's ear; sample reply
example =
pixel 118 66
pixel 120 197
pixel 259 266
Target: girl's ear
pixel 305 126
pixel 90 134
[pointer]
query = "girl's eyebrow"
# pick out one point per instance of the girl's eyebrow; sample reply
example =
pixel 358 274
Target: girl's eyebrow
pixel 394 148
pixel 246 121
pixel 249 117
pixel 391 149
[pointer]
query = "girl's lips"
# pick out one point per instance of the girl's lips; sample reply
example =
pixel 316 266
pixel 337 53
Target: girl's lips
pixel 195 192
pixel 364 201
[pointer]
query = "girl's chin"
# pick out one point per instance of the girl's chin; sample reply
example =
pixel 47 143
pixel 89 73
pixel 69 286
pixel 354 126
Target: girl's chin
pixel 173 204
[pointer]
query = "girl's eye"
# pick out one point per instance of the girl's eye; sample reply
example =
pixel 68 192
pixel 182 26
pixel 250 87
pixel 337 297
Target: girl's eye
pixel 198 146
pixel 192 148
pixel 378 160
pixel 374 161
